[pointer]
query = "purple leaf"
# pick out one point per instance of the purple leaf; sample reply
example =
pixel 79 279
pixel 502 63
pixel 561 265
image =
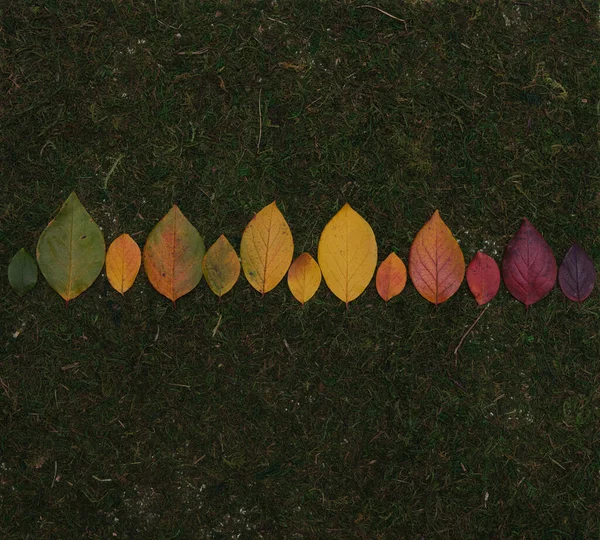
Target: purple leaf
pixel 577 274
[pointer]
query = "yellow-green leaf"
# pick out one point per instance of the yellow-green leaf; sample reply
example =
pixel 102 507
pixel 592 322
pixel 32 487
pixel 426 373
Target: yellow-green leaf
pixel 70 251
pixel 173 255
pixel 304 278
pixel 267 249
pixel 347 254
pixel 221 266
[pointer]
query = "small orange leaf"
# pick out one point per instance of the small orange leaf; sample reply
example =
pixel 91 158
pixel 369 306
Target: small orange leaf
pixel 436 264
pixel 391 277
pixel 304 278
pixel 123 260
pixel 221 266
pixel 173 255
pixel 267 249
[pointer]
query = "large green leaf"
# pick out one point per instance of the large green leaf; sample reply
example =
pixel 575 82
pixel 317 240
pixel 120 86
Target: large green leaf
pixel 22 272
pixel 70 251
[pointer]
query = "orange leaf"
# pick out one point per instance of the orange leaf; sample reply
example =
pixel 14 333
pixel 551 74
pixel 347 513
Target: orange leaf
pixel 173 255
pixel 304 278
pixel 267 249
pixel 436 264
pixel 123 260
pixel 221 266
pixel 391 277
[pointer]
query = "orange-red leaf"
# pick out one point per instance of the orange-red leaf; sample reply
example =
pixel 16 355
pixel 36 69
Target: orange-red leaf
pixel 391 277
pixel 221 266
pixel 173 255
pixel 483 278
pixel 123 260
pixel 304 278
pixel 436 264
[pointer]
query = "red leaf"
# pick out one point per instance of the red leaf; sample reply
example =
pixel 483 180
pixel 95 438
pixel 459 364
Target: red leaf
pixel 483 278
pixel 528 266
pixel 577 275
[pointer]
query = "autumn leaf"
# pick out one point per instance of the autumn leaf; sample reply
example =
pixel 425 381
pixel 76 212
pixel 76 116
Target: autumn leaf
pixel 304 278
pixel 577 275
pixel 483 278
pixel 266 249
pixel 70 250
pixel 22 272
pixel 221 266
pixel 123 260
pixel 436 264
pixel 173 255
pixel 347 254
pixel 528 265
pixel 391 277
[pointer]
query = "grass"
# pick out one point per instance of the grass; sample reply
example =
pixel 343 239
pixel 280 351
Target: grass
pixel 123 417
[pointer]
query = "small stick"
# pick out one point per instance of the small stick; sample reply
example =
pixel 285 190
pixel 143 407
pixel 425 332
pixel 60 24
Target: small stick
pixel 259 123
pixel 385 13
pixel 214 332
pixel 468 332
pixel 112 170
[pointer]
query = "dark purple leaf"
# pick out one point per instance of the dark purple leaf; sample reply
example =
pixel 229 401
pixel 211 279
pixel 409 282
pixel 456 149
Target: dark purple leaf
pixel 577 274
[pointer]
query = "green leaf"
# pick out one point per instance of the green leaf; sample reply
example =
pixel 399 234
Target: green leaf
pixel 70 251
pixel 22 272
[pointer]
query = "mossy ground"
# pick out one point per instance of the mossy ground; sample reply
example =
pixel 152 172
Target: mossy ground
pixel 256 418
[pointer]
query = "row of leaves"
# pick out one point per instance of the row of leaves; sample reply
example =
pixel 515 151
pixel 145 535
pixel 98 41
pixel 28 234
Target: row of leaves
pixel 71 255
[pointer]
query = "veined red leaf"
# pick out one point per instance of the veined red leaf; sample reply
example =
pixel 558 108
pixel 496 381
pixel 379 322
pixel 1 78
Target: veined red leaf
pixel 483 278
pixel 577 275
pixel 528 265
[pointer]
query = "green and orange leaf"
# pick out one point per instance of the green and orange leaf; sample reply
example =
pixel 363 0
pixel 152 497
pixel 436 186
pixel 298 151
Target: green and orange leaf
pixel 221 266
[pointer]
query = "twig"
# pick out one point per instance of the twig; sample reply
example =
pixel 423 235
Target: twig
pixel 193 53
pixel 385 13
pixel 55 471
pixel 259 122
pixel 468 332
pixel 112 170
pixel 214 332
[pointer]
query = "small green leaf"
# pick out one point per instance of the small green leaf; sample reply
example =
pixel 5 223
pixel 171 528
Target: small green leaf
pixel 22 272
pixel 70 251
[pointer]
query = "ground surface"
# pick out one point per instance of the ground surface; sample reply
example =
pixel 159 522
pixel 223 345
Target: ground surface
pixel 127 418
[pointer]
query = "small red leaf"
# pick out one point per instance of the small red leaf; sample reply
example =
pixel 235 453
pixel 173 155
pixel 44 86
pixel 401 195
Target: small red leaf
pixel 528 266
pixel 483 278
pixel 577 275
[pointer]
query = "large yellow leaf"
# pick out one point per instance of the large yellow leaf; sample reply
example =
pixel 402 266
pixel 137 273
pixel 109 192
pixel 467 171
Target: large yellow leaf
pixel 173 255
pixel 347 254
pixel 221 266
pixel 436 264
pixel 70 251
pixel 123 260
pixel 267 249
pixel 304 278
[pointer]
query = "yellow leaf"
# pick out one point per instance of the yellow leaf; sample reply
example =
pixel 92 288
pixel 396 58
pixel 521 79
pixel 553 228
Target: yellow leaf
pixel 123 260
pixel 304 278
pixel 267 249
pixel 347 254
pixel 221 266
